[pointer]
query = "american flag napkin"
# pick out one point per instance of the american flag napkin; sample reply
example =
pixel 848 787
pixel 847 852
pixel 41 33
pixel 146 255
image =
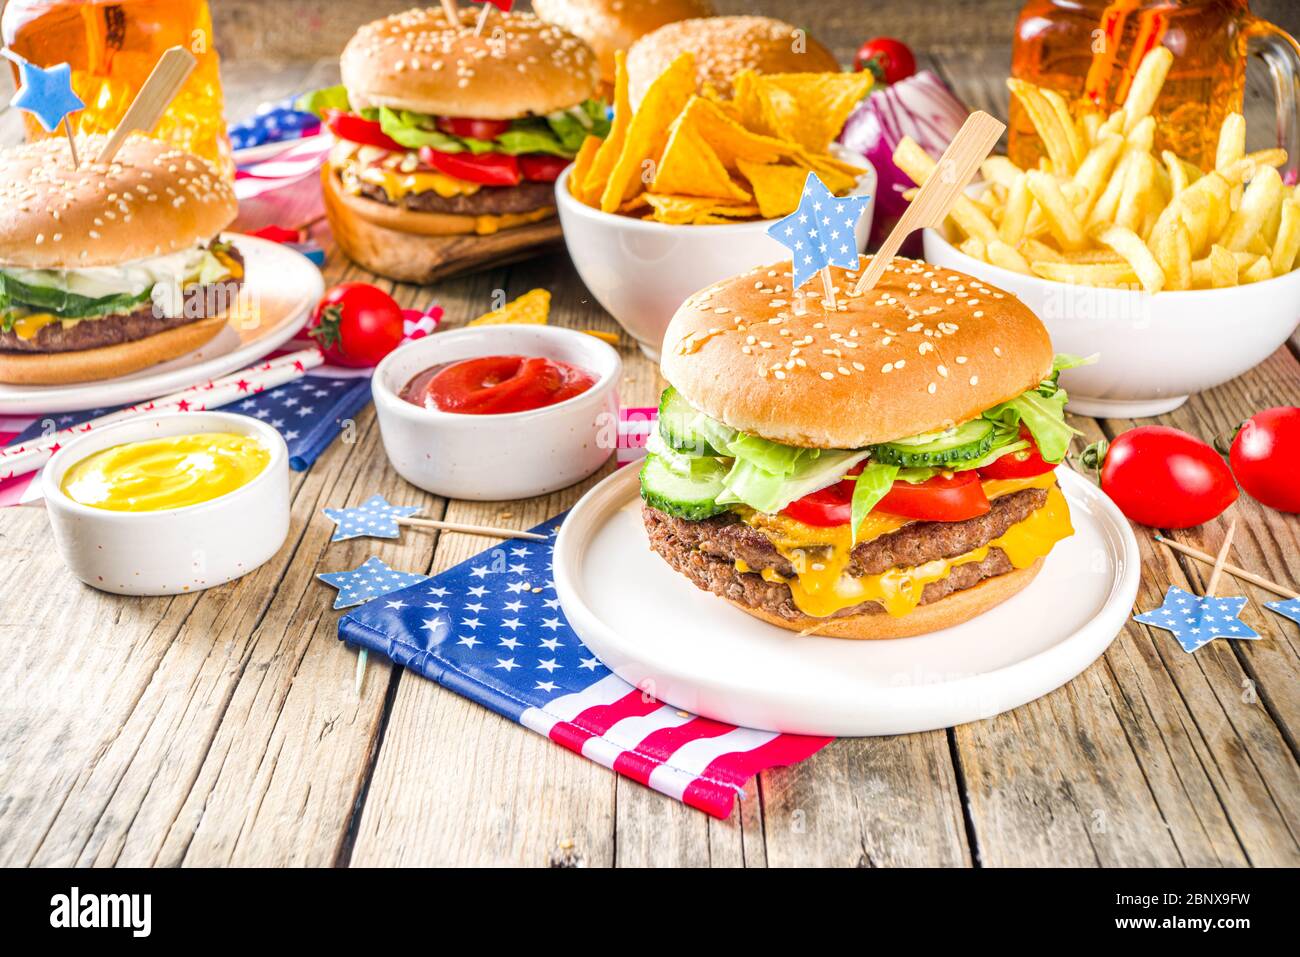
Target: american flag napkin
pixel 491 629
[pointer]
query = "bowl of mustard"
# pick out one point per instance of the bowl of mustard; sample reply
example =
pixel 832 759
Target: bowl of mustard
pixel 167 504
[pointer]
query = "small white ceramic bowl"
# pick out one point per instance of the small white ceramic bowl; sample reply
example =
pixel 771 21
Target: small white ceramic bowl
pixel 173 550
pixel 498 457
pixel 1154 349
pixel 641 271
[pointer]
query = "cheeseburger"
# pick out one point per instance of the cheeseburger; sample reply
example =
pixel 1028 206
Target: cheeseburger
pixel 441 132
pixel 878 469
pixel 723 46
pixel 109 268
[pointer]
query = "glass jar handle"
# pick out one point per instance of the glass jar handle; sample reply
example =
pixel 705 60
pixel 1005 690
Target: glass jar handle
pixel 1282 54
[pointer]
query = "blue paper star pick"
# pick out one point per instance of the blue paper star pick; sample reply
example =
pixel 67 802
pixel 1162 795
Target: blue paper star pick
pixel 373 517
pixel 1289 608
pixel 46 93
pixel 821 231
pixel 370 579
pixel 1196 621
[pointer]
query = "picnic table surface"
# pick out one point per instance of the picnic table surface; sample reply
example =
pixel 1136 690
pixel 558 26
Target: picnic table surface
pixel 223 728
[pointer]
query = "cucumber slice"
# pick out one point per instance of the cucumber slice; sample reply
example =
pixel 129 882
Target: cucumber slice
pixel 675 418
pixel 690 497
pixel 971 440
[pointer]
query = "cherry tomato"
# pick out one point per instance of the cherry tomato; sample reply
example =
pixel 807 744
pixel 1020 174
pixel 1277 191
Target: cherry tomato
pixel 945 498
pixel 1165 478
pixel 542 167
pixel 356 129
pixel 489 169
pixel 1024 464
pixel 470 128
pixel 1265 457
pixel 832 505
pixel 356 324
pixel 889 59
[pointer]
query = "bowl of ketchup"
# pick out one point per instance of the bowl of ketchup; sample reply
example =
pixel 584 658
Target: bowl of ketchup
pixel 490 413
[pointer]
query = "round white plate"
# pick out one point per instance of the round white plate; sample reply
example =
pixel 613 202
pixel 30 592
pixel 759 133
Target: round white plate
pixel 691 649
pixel 283 284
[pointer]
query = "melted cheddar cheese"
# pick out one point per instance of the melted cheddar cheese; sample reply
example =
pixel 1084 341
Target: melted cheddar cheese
pixel 397 184
pixel 26 327
pixel 820 556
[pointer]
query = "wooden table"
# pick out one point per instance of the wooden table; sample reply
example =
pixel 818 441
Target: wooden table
pixel 222 727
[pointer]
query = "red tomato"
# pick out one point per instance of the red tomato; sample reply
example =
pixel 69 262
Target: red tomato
pixel 1165 478
pixel 889 59
pixel 472 129
pixel 542 167
pixel 944 498
pixel 356 129
pixel 494 385
pixel 489 169
pixel 1265 457
pixel 832 505
pixel 1024 464
pixel 356 324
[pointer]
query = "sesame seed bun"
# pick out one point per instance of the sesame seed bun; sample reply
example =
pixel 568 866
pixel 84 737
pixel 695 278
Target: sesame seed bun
pixel 419 61
pixel 151 200
pixel 723 46
pixel 611 25
pixel 925 349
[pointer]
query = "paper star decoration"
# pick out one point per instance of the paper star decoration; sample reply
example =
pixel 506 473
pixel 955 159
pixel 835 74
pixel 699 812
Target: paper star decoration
pixel 46 93
pixel 370 579
pixel 1289 608
pixel 373 517
pixel 821 231
pixel 1196 621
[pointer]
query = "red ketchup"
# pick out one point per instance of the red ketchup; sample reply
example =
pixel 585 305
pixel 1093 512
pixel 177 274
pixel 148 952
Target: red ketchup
pixel 494 385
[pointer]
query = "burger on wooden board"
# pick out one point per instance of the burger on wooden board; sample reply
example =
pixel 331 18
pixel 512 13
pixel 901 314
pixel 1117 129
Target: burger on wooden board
pixel 878 469
pixel 109 268
pixel 444 133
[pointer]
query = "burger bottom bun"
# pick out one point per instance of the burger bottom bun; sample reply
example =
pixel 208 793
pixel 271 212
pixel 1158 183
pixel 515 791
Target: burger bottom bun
pixel 952 610
pixel 419 247
pixel 107 362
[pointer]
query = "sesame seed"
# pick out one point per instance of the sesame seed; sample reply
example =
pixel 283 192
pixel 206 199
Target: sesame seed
pixel 974 380
pixel 931 388
pixel 828 375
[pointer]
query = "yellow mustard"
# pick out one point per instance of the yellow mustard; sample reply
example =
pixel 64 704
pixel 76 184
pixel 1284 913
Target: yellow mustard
pixel 164 473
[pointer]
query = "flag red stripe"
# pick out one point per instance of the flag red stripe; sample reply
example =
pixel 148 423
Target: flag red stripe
pixel 598 719
pixel 657 747
pixel 739 766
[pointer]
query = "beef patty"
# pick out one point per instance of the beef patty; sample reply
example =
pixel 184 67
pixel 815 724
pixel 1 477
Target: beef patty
pixel 488 201
pixel 200 303
pixel 706 552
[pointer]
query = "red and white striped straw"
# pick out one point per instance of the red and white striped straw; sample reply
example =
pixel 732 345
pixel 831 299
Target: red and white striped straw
pixel 19 459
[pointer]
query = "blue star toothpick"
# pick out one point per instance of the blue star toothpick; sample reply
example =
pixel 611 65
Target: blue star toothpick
pixel 1196 621
pixel 45 93
pixel 1289 608
pixel 369 580
pixel 373 517
pixel 820 232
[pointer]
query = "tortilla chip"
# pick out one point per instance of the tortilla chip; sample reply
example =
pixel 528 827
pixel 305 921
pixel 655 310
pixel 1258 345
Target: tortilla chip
pixel 532 308
pixel 726 217
pixel 838 176
pixel 777 186
pixel 729 140
pixel 679 210
pixel 648 131
pixel 582 166
pixel 691 167
pixel 602 163
pixel 808 108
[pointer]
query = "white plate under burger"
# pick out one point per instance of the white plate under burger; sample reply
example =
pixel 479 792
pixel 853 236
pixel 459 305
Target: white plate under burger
pixel 283 284
pixel 693 650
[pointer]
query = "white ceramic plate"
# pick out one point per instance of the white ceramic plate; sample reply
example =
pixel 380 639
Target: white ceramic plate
pixel 284 283
pixel 694 651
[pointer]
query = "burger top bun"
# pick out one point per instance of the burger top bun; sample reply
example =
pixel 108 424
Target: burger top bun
pixel 926 349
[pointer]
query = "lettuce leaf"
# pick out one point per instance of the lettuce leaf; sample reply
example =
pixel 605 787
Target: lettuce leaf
pixel 318 101
pixel 765 491
pixel 1044 416
pixel 873 484
pixel 62 303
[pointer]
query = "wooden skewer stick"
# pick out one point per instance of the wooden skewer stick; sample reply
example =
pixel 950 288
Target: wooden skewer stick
pixel 72 143
pixel 169 75
pixel 360 679
pixel 1232 570
pixel 829 287
pixel 482 18
pixel 1219 559
pixel 450 8
pixel 472 529
pixel 930 207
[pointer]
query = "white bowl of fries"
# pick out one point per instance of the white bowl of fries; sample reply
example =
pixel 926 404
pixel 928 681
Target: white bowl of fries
pixel 1180 279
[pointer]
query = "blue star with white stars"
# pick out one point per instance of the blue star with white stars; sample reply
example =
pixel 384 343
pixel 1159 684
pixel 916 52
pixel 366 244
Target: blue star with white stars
pixel 371 579
pixel 373 517
pixel 1196 621
pixel 821 231
pixel 1288 609
pixel 46 93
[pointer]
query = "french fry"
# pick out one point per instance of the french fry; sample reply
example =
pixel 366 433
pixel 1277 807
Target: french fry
pixel 1034 250
pixel 1257 203
pixel 1061 109
pixel 1257 271
pixel 1232 141
pixel 1097 166
pixel 1061 219
pixel 1004 255
pixel 1103 255
pixel 1016 212
pixel 1088 274
pixel 1046 123
pixel 1000 170
pixel 1090 123
pixel 972 247
pixel 1173 251
pixel 1139 184
pixel 1178 178
pixel 1147 81
pixel 1288 238
pixel 1104 207
pixel 1215 271
pixel 1129 245
pixel 919 166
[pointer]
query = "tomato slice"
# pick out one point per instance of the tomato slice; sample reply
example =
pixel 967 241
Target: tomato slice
pixel 954 497
pixel 357 129
pixel 832 505
pixel 542 167
pixel 470 128
pixel 1023 464
pixel 488 169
